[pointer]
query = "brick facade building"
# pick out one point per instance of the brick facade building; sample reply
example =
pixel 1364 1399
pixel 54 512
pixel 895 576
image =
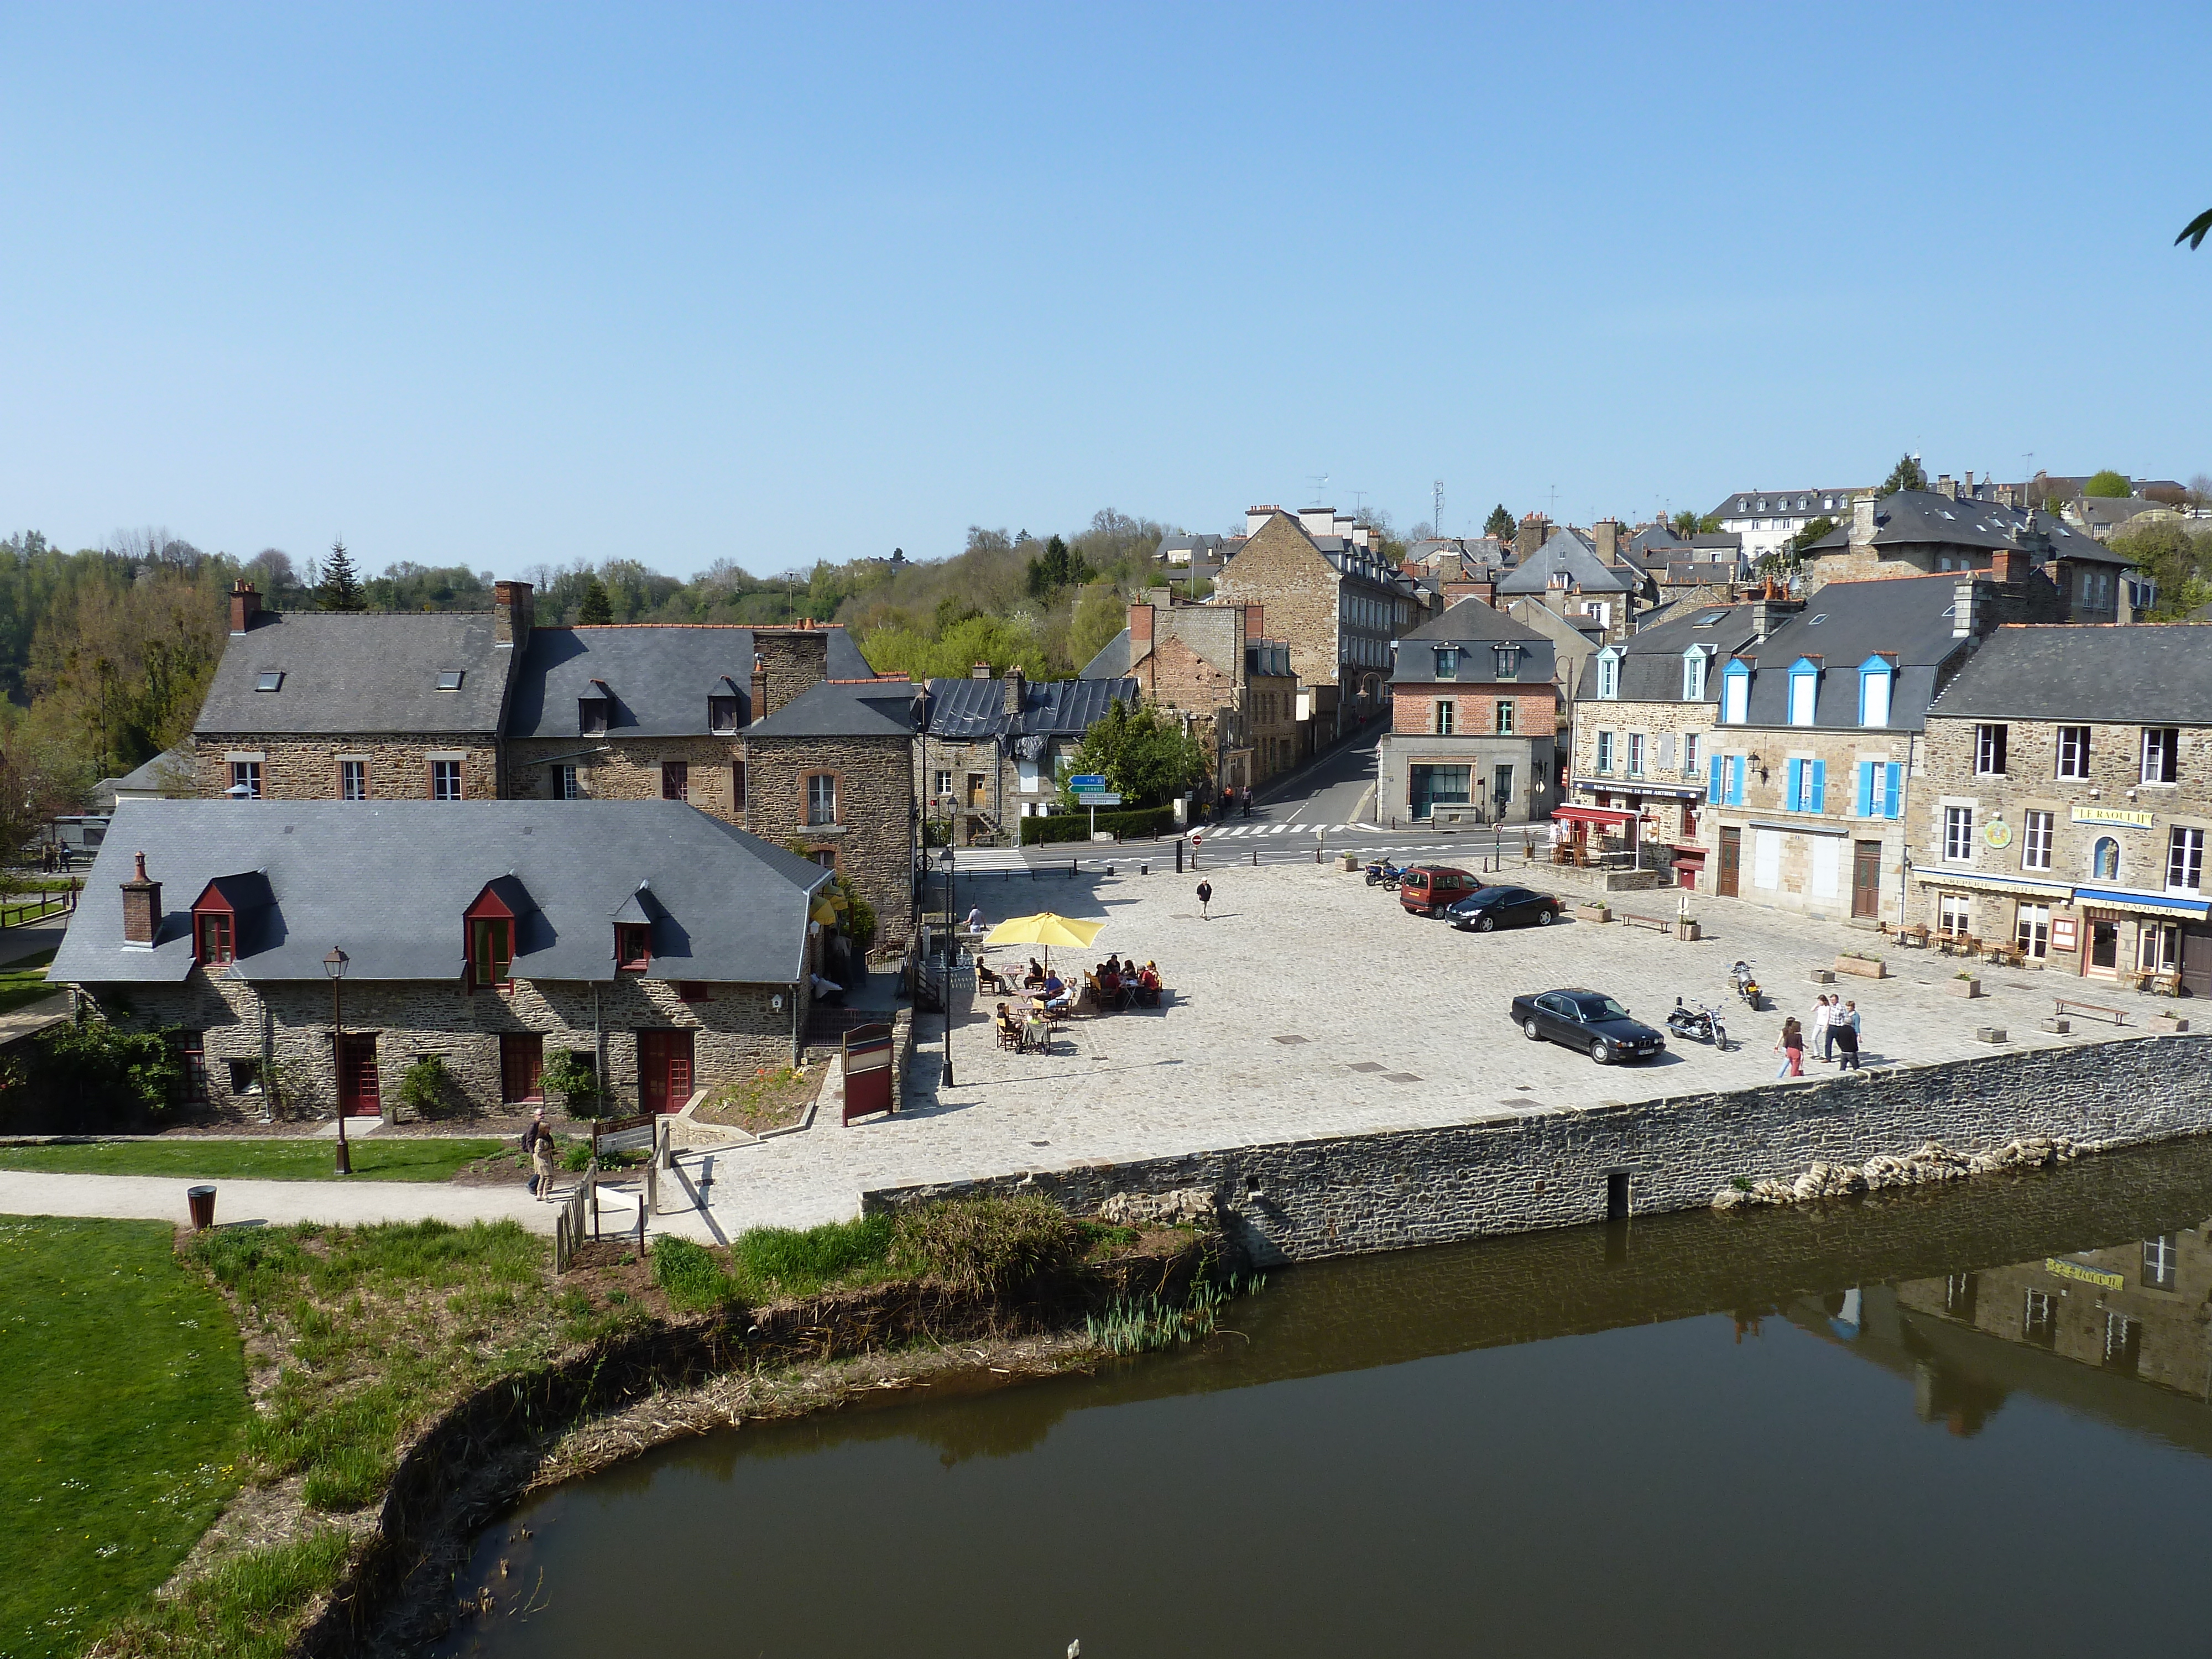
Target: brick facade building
pixel 654 943
pixel 1473 721
pixel 2066 801
pixel 1213 666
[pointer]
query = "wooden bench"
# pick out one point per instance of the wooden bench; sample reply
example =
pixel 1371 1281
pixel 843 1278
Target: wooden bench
pixel 2062 1005
pixel 1656 924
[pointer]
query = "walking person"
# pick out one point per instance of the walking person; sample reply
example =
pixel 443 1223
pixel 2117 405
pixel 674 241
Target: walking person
pixel 1823 1013
pixel 1204 898
pixel 1846 1024
pixel 537 1147
pixel 1790 1045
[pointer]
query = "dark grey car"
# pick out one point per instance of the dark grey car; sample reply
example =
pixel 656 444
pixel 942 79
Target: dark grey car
pixel 1588 1020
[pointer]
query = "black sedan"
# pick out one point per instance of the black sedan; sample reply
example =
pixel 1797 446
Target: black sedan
pixel 1504 907
pixel 1588 1020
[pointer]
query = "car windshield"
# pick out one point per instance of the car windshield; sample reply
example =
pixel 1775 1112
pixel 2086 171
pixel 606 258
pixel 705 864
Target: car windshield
pixel 1593 1007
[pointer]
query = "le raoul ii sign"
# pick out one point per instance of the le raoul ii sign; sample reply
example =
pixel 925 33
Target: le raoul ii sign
pixel 2119 815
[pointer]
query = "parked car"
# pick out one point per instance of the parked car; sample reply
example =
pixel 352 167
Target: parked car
pixel 1429 889
pixel 1588 1020
pixel 1504 907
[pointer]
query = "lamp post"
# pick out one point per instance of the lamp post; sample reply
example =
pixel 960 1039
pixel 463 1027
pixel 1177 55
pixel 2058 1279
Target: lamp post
pixel 953 957
pixel 334 966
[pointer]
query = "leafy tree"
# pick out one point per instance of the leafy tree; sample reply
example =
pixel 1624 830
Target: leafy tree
pixel 595 608
pixel 1791 553
pixel 2178 559
pixel 1145 754
pixel 1499 524
pixel 341 587
pixel 1906 475
pixel 1687 523
pixel 2196 230
pixel 2108 484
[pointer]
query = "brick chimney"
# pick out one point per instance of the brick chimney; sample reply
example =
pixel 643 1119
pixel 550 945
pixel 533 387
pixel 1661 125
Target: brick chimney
pixel 1533 532
pixel 1607 531
pixel 979 671
pixel 2011 566
pixel 245 605
pixel 1946 487
pixel 1016 685
pixel 1140 632
pixel 2007 496
pixel 1255 623
pixel 142 904
pixel 514 611
pixel 1861 521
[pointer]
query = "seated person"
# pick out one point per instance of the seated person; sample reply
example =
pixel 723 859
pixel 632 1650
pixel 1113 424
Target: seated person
pixel 1114 962
pixel 1007 1023
pixel 1055 993
pixel 826 990
pixel 1035 1035
pixel 1035 974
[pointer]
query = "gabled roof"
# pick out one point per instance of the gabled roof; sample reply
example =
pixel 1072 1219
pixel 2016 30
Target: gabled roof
pixel 969 710
pixel 359 672
pixel 1566 552
pixel 1112 662
pixel 2136 674
pixel 388 882
pixel 1787 503
pixel 1474 627
pixel 870 708
pixel 1470 622
pixel 1926 517
pixel 661 675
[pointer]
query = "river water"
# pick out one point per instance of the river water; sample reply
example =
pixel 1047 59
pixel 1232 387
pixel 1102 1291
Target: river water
pixel 1970 1420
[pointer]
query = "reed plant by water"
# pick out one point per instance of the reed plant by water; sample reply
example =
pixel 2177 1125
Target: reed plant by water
pixel 1144 1324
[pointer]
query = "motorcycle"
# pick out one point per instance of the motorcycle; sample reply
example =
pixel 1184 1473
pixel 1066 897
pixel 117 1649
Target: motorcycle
pixel 1747 984
pixel 1701 1022
pixel 1385 874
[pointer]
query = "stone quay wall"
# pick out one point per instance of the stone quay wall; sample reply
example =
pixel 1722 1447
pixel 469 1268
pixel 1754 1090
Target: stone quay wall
pixel 1345 1196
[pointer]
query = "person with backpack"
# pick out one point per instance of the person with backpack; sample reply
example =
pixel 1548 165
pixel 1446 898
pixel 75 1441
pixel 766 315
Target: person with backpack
pixel 537 1147
pixel 1204 898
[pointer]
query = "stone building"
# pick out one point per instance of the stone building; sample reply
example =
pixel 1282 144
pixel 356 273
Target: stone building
pixel 1765 518
pixel 1333 601
pixel 657 711
pixel 2067 798
pixel 1213 666
pixel 992 751
pixel 1574 575
pixel 1473 721
pixel 832 770
pixel 662 947
pixel 1781 735
pixel 329 705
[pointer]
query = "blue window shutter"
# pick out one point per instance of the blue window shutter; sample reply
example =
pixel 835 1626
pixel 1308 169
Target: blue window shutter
pixel 1713 780
pixel 1735 780
pixel 1819 786
pixel 1889 789
pixel 1795 787
pixel 1866 789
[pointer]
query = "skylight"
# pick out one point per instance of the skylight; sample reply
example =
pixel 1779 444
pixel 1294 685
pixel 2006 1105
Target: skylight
pixel 449 679
pixel 1816 621
pixel 1709 618
pixel 270 681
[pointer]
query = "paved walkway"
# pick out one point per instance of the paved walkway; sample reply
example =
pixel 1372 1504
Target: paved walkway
pixel 1311 1005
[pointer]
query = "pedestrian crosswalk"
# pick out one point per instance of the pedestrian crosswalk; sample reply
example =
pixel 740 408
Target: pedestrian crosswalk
pixel 1227 830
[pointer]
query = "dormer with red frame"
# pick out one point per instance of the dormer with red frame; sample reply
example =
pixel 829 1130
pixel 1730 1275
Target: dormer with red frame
pixel 491 930
pixel 223 915
pixel 634 931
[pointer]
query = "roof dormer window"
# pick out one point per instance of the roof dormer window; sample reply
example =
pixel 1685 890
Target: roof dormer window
pixel 1447 662
pixel 1804 690
pixel 213 940
pixel 1735 692
pixel 593 713
pixel 1693 674
pixel 722 714
pixel 1509 661
pixel 1609 673
pixel 271 680
pixel 449 679
pixel 633 947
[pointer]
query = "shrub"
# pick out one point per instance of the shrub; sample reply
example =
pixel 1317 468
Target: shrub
pixel 1076 826
pixel 95 1072
pixel 988 1245
pixel 574 1081
pixel 428 1089
pixel 788 1261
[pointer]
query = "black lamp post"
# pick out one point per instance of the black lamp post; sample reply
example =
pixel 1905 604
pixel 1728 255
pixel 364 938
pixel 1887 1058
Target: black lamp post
pixel 953 957
pixel 334 966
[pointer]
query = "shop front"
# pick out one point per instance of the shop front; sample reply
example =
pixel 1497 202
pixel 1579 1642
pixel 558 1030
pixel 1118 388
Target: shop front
pixel 1581 834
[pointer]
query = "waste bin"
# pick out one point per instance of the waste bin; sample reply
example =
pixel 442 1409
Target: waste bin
pixel 202 1198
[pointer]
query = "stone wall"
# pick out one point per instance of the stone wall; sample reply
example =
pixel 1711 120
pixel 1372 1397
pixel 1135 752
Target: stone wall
pixel 630 769
pixel 306 768
pixel 1295 1200
pixel 735 1032
pixel 793 660
pixel 872 840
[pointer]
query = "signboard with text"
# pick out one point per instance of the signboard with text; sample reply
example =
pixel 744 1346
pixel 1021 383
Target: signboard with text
pixel 1082 781
pixel 1097 798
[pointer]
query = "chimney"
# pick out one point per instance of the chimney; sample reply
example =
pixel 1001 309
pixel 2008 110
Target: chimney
pixel 979 671
pixel 1769 610
pixel 141 903
pixel 1862 520
pixel 1532 534
pixel 2010 565
pixel 1256 516
pixel 1015 687
pixel 245 605
pixel 1946 487
pixel 1962 610
pixel 1140 632
pixel 1359 535
pixel 1317 520
pixel 1966 489
pixel 1256 621
pixel 759 709
pixel 2007 496
pixel 1608 540
pixel 792 660
pixel 512 613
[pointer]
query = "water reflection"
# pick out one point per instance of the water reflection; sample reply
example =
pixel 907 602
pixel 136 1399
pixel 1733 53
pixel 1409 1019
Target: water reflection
pixel 1673 1439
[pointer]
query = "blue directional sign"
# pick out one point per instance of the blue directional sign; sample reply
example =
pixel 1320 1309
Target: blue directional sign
pixel 1091 780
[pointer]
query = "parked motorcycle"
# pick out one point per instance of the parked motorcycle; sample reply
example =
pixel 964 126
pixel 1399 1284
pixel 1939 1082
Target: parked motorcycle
pixel 1384 874
pixel 1747 984
pixel 1701 1022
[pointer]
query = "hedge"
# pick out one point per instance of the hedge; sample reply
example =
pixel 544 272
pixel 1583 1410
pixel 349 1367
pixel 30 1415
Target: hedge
pixel 1076 826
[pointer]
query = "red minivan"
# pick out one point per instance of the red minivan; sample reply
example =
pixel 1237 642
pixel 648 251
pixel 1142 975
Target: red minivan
pixel 1426 888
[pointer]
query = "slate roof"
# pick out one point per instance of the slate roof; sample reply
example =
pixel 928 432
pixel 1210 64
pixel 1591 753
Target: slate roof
pixel 1564 551
pixel 2137 674
pixel 1473 626
pixel 1786 504
pixel 359 672
pixel 660 675
pixel 1915 518
pixel 967 711
pixel 1651 658
pixel 388 881
pixel 1112 662
pixel 872 709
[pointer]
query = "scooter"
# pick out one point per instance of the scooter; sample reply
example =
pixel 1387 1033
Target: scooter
pixel 1384 874
pixel 1747 984
pixel 1701 1022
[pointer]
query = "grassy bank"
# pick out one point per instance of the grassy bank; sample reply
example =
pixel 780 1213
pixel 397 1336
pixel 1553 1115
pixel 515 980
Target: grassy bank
pixel 375 1158
pixel 121 1423
pixel 25 983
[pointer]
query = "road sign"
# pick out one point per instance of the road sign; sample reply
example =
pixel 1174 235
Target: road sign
pixel 1091 780
pixel 1097 798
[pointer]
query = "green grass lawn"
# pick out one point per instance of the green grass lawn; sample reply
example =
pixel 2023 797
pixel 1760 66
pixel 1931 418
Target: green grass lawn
pixel 25 981
pixel 374 1159
pixel 122 1422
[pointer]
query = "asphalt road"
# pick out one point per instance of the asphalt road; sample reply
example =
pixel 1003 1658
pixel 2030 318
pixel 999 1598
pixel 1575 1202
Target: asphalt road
pixel 1338 789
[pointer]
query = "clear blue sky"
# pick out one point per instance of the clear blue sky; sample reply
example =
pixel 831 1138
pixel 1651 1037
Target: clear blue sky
pixel 503 286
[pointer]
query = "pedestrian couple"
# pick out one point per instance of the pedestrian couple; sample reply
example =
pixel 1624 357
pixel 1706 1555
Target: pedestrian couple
pixel 537 1147
pixel 1835 1028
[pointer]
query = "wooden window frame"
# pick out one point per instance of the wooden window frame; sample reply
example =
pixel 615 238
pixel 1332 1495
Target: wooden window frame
pixel 693 990
pixel 836 799
pixel 737 786
pixel 716 724
pixel 343 761
pixel 483 973
pixel 629 935
pixel 204 914
pixel 675 780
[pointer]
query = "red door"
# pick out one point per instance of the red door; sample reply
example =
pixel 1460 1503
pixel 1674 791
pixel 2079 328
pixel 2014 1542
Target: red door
pixel 664 1070
pixel 357 1088
pixel 521 1065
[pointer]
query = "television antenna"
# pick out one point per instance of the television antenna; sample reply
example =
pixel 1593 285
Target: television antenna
pixel 1320 482
pixel 1436 512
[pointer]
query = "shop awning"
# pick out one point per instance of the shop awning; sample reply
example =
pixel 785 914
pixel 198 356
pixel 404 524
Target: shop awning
pixel 2047 892
pixel 1642 786
pixel 2157 904
pixel 1611 817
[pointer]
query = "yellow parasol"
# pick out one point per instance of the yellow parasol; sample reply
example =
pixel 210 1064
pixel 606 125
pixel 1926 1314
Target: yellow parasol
pixel 1046 929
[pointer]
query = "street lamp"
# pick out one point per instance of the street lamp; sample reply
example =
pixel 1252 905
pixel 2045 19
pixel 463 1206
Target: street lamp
pixel 334 966
pixel 951 959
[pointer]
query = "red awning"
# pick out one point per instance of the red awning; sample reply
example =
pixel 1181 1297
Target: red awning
pixel 1612 817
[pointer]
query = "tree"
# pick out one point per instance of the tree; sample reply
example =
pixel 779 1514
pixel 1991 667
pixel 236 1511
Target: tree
pixel 2108 484
pixel 1906 475
pixel 341 587
pixel 594 608
pixel 1687 523
pixel 2178 561
pixel 2196 230
pixel 1146 756
pixel 1791 553
pixel 1499 524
